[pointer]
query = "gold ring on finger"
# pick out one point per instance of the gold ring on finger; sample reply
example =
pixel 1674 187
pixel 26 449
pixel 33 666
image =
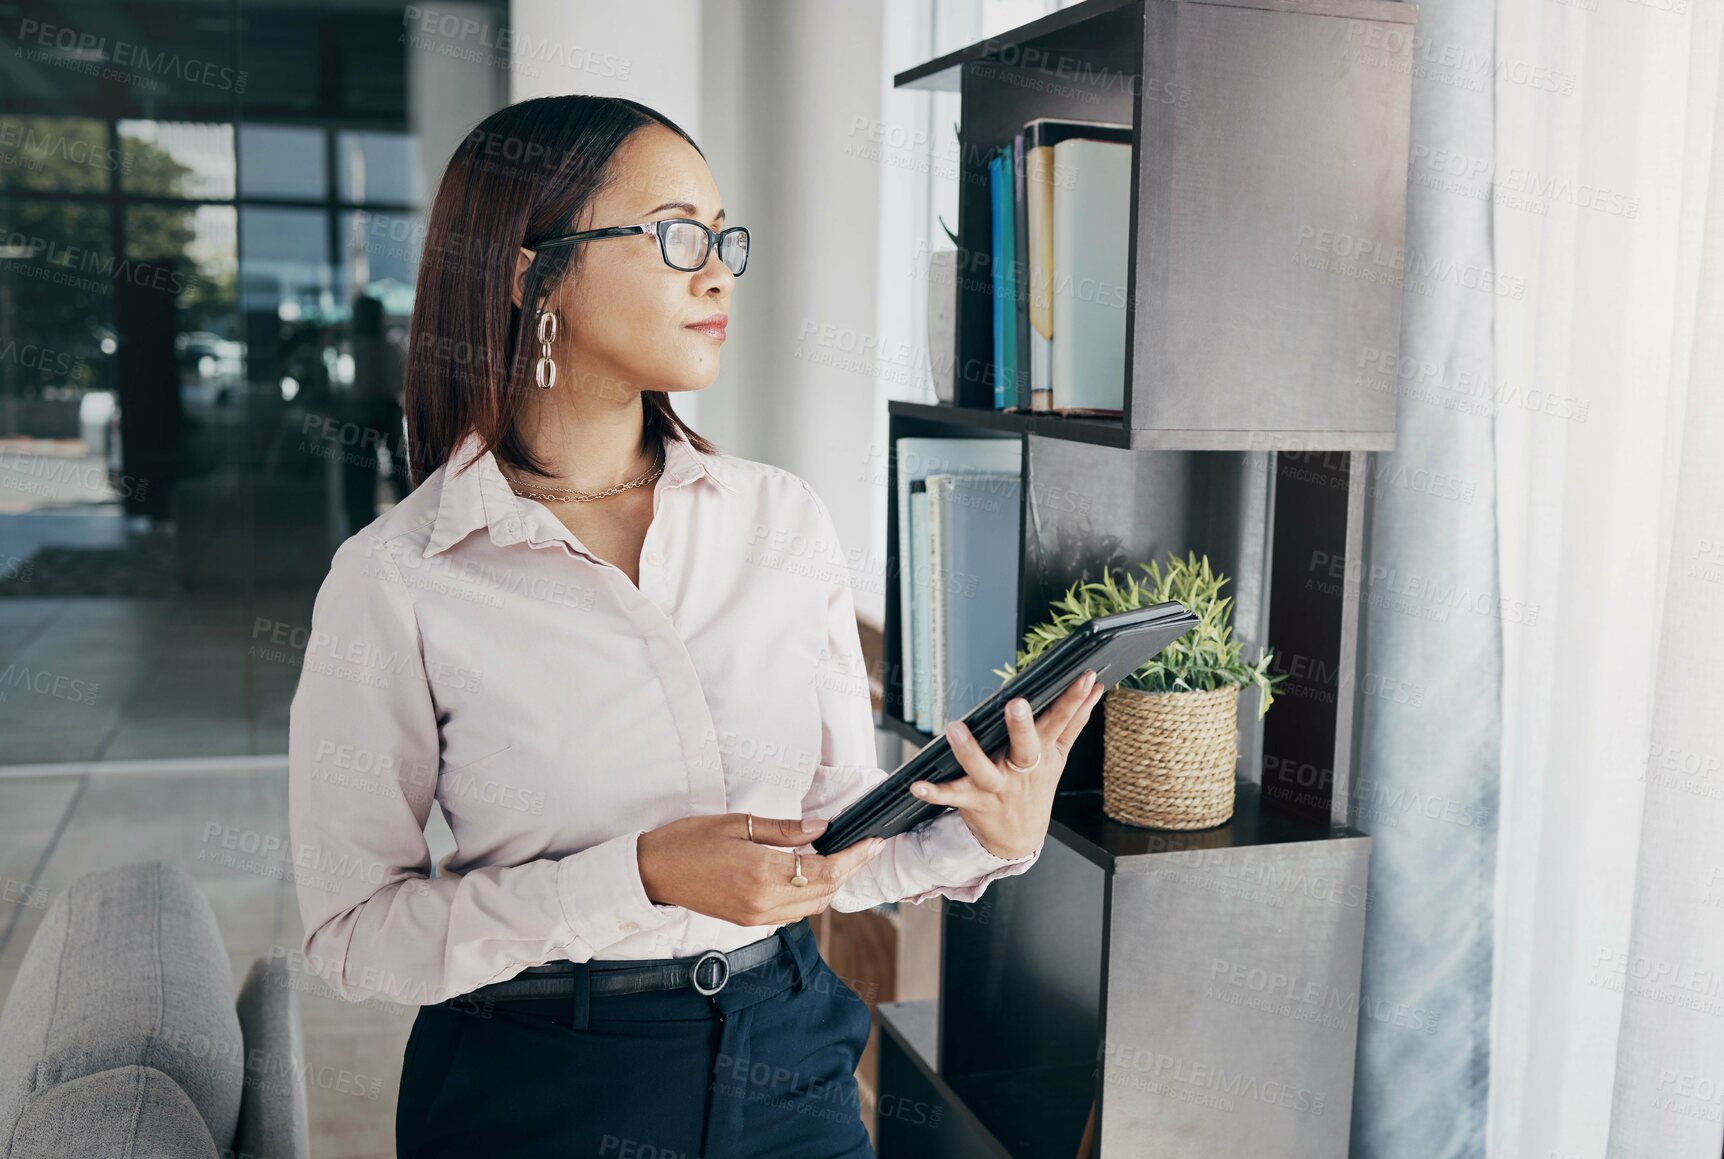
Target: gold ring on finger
pixel 1017 768
pixel 799 880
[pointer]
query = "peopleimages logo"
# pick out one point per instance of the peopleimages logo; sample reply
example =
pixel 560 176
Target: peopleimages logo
pixel 120 60
pixel 35 148
pixel 44 683
pixel 1301 997
pixel 1405 50
pixel 1158 1072
pixel 62 264
pixel 498 44
pixel 32 356
pixel 1371 259
pixel 1516 186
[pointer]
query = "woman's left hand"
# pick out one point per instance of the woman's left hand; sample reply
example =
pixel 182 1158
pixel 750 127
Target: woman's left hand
pixel 1007 809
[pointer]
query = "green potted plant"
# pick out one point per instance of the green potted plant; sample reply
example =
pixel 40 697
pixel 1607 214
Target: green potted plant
pixel 1169 738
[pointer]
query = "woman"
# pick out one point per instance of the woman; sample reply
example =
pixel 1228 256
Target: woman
pixel 627 667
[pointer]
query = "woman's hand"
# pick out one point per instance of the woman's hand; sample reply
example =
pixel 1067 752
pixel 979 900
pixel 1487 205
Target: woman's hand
pixel 709 865
pixel 1006 809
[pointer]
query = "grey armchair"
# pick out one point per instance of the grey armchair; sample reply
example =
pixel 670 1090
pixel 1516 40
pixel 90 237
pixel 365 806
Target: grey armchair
pixel 121 1035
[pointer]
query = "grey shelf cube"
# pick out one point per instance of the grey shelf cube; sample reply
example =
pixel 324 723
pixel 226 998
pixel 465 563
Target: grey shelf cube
pixel 1268 209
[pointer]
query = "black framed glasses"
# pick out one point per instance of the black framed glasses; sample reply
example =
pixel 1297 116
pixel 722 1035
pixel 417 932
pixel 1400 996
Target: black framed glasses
pixel 683 242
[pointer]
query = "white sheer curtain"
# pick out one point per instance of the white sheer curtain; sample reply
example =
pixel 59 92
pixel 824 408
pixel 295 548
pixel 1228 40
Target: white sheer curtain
pixel 1608 1026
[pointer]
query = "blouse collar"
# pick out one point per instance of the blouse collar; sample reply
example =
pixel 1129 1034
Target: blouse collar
pixel 477 494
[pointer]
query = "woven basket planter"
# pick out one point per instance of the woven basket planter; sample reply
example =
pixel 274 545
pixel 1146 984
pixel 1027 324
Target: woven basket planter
pixel 1168 757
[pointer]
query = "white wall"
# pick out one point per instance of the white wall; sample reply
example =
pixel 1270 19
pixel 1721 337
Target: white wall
pixel 784 80
pixel 838 176
pixel 647 52
pixel 449 87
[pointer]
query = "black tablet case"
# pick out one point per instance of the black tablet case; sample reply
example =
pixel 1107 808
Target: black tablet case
pixel 1115 646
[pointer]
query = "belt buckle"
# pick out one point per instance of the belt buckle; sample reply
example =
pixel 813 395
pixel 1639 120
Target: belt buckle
pixel 723 965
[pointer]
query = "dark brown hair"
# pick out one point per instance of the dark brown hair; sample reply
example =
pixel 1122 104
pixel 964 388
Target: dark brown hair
pixel 524 173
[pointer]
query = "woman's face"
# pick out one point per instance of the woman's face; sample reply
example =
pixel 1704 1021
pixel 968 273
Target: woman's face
pixel 624 318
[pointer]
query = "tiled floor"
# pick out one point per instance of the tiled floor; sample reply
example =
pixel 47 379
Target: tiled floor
pixel 54 829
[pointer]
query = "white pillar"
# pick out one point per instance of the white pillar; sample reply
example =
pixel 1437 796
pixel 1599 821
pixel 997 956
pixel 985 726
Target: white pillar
pixel 456 77
pixel 647 52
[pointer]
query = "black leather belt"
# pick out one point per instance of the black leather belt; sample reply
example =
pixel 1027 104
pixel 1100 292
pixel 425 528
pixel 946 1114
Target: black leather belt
pixel 705 973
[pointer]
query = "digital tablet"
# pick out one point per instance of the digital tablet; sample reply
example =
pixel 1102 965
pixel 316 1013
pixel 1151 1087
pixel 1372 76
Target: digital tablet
pixel 1115 646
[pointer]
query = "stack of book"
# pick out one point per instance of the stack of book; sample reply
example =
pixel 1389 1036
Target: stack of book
pixel 959 520
pixel 1060 232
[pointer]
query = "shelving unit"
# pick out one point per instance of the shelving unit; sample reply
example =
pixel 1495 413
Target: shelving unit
pixel 1196 992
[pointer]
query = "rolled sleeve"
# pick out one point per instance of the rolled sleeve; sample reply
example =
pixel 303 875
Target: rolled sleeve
pixel 941 858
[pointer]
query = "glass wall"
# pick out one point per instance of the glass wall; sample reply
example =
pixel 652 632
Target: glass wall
pixel 209 235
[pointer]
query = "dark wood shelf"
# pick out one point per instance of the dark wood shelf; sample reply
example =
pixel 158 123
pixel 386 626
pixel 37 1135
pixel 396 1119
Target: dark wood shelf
pixel 1048 34
pixel 1017 1112
pixel 1035 1111
pixel 1079 823
pixel 1066 32
pixel 1103 432
pixel 1112 432
pixel 1281 346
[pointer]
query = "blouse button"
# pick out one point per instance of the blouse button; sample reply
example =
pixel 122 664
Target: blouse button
pixel 629 927
pixel 654 558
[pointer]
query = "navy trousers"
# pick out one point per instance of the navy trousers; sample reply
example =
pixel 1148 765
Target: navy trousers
pixel 762 1069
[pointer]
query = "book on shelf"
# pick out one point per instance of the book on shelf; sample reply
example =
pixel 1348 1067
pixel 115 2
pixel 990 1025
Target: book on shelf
pixel 934 688
pixel 1021 269
pixel 974 525
pixel 1072 220
pixel 1091 228
pixel 1003 266
pixel 916 669
pixel 916 459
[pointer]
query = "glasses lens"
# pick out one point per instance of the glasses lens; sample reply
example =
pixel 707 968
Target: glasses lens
pixel 685 245
pixel 733 249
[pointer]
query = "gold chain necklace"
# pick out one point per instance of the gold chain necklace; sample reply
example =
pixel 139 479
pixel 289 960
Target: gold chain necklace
pixel 556 495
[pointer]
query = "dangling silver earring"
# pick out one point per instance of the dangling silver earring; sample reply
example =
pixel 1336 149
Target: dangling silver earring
pixel 545 369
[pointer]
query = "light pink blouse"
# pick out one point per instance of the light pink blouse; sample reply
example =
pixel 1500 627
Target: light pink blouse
pixel 556 711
